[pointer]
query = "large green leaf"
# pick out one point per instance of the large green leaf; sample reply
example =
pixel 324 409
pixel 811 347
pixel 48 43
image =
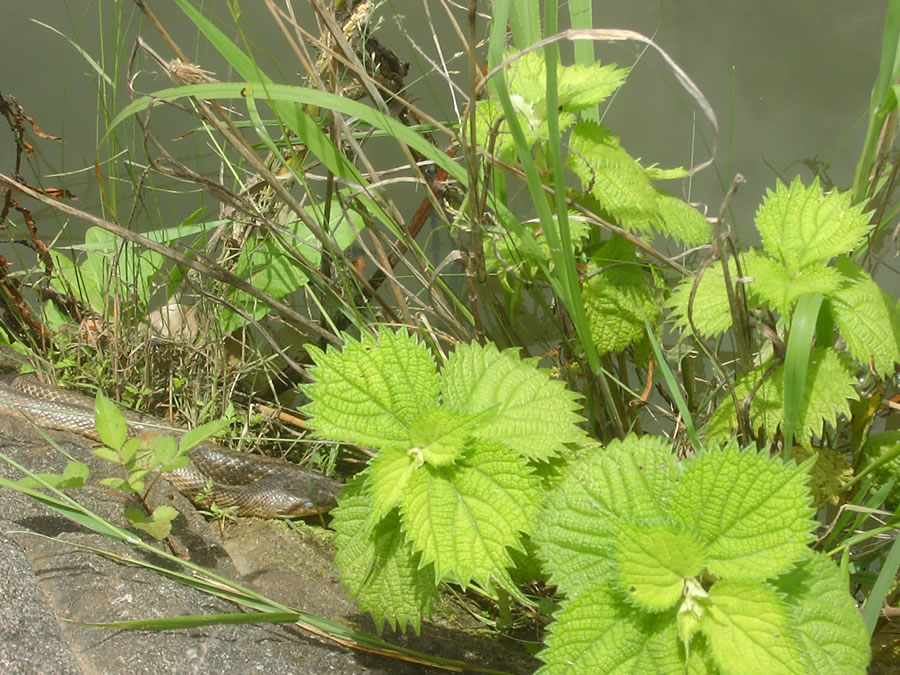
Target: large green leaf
pixel 824 618
pixel 618 297
pixel 752 511
pixel 372 390
pixel 710 311
pixel 802 226
pixel 868 319
pixel 578 86
pixel 631 479
pixel 598 632
pixel 612 176
pixel 747 626
pixel 681 221
pixel 520 406
pixel 654 561
pixel 378 566
pixel 779 287
pixel 463 518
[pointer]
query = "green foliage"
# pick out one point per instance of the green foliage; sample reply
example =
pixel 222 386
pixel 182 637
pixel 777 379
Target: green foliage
pixel 830 386
pixel 579 88
pixel 618 296
pixel 802 230
pixel 452 487
pixel 867 317
pixel 270 263
pixel 700 564
pixel 665 565
pixel 801 226
pixel 610 175
pixel 881 455
pixel 680 220
pixel 111 270
pixel 614 186
pixel 710 310
pixel 138 457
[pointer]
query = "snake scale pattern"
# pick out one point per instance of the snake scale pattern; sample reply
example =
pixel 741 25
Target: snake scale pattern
pixel 256 486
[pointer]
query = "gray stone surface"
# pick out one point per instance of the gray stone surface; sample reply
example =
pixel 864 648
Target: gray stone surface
pixel 30 636
pixel 52 583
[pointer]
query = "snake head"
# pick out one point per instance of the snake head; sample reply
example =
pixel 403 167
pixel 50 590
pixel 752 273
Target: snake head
pixel 320 499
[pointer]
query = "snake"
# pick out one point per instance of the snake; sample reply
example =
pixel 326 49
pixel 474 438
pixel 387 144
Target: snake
pixel 248 485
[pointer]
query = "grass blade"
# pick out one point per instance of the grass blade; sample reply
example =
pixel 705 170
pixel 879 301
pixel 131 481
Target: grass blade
pixel 796 364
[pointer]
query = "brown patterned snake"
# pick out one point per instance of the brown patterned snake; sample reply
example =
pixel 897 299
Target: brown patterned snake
pixel 257 486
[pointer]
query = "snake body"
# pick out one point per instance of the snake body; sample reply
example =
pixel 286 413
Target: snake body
pixel 254 485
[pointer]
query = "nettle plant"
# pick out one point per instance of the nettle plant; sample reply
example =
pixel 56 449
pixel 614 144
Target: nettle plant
pixel 617 293
pixel 695 566
pixel 453 485
pixel 806 235
pixel 664 564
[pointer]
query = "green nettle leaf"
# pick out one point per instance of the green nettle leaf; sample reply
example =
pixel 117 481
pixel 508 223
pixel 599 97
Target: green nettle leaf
pixel 372 390
pixel 618 298
pixel 711 312
pixel 438 436
pixel 578 86
pixel 630 479
pixel 752 511
pixel 517 403
pixel 830 386
pixel 779 287
pixel 867 318
pixel 505 255
pixel 747 624
pixel 491 130
pixel 463 517
pixel 378 566
pixel 387 475
pixel 581 87
pixel 110 423
pixel 612 176
pixel 802 226
pixel 827 625
pixel 681 221
pixel 654 561
pixel 598 632
pixel 526 79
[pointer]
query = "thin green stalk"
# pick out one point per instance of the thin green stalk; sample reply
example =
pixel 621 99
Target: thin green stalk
pixel 796 364
pixel 883 99
pixel 581 16
pixel 672 384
